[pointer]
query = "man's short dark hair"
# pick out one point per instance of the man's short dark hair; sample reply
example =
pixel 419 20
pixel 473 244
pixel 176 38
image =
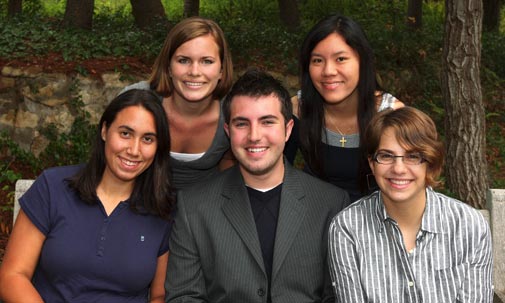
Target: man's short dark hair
pixel 258 83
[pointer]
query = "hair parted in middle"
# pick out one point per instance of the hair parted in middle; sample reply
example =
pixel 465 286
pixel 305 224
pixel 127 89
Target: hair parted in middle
pixel 153 192
pixel 182 32
pixel 312 103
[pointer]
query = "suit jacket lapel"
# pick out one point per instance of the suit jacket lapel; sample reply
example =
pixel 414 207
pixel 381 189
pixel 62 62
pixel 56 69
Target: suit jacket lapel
pixel 238 211
pixel 291 213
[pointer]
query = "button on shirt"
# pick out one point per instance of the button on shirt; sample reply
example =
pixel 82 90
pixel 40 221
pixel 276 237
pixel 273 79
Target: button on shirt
pixel 452 260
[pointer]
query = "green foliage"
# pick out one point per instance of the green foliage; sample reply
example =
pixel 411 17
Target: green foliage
pixel 74 147
pixel 408 61
pixel 13 152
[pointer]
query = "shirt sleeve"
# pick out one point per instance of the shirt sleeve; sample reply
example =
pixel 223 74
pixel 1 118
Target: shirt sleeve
pixel 36 203
pixel 343 259
pixel 478 283
pixel 164 247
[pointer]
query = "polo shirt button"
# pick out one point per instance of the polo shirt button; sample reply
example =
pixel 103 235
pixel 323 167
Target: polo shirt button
pixel 411 283
pixel 261 292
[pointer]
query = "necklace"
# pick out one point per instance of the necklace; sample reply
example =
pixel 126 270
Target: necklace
pixel 342 140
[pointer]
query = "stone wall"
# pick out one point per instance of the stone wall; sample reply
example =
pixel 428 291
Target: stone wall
pixel 30 100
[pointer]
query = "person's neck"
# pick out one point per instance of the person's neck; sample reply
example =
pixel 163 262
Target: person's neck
pixel 341 117
pixel 267 180
pixel 408 215
pixel 182 107
pixel 112 192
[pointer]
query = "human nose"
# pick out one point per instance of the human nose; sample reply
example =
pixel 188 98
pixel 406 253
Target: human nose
pixel 194 69
pixel 398 164
pixel 134 147
pixel 254 133
pixel 329 69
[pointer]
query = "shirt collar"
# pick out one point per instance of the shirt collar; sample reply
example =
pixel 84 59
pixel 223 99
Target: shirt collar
pixel 432 217
pixel 433 213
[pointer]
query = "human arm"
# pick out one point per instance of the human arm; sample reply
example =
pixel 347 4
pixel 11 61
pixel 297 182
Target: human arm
pixel 343 261
pixel 157 290
pixel 295 101
pixel 21 257
pixel 478 283
pixel 227 161
pixel 184 280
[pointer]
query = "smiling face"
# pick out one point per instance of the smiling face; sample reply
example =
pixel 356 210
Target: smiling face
pixel 258 133
pixel 130 144
pixel 195 69
pixel 399 183
pixel 334 70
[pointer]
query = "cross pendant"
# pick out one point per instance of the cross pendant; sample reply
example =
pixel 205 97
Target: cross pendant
pixel 343 141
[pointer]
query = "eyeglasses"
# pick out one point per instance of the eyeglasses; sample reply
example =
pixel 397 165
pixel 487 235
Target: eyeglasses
pixel 409 158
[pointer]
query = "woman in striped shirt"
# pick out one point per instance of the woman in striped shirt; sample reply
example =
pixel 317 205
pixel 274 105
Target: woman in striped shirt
pixel 406 242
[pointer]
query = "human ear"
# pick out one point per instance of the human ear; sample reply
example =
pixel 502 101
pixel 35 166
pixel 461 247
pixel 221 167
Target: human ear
pixel 104 132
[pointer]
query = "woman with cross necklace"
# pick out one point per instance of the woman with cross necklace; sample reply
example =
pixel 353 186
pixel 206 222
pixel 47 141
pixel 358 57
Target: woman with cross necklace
pixel 339 95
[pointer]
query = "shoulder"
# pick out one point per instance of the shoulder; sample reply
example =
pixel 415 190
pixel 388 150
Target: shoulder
pixel 139 85
pixel 456 212
pixel 60 173
pixel 295 101
pixel 360 210
pixel 356 219
pixel 316 189
pixel 208 191
pixel 385 100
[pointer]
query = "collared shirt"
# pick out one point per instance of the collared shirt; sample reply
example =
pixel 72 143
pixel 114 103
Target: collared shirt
pixel 452 260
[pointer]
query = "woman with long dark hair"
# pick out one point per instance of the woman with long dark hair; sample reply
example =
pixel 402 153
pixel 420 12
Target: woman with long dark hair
pixel 98 232
pixel 339 95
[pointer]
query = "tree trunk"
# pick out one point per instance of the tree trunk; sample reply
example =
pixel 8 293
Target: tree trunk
pixel 415 14
pixel 191 8
pixel 147 12
pixel 465 124
pixel 289 14
pixel 14 8
pixel 79 13
pixel 491 19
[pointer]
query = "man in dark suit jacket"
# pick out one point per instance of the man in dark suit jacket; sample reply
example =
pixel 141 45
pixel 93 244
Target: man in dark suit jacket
pixel 257 232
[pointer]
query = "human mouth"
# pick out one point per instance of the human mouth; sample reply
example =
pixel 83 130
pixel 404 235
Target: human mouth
pixel 130 164
pixel 193 84
pixel 400 183
pixel 332 85
pixel 257 150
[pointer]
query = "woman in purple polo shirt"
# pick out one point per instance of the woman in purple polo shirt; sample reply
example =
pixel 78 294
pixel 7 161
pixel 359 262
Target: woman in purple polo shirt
pixel 99 232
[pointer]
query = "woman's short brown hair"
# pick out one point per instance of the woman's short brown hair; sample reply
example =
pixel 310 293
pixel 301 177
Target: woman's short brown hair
pixel 185 30
pixel 415 131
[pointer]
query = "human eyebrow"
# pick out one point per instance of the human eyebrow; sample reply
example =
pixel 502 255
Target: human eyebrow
pixel 269 117
pixel 126 127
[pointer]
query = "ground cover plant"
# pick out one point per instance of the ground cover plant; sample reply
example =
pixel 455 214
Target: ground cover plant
pixel 408 61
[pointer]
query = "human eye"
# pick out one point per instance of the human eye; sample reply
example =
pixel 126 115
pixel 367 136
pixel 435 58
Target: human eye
pixel 240 124
pixel 183 60
pixel 124 134
pixel 208 61
pixel 268 122
pixel 413 158
pixel 149 139
pixel 385 157
pixel 315 60
pixel 341 59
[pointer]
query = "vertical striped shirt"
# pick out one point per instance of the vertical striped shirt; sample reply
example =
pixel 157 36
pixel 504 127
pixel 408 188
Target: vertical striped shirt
pixel 452 260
